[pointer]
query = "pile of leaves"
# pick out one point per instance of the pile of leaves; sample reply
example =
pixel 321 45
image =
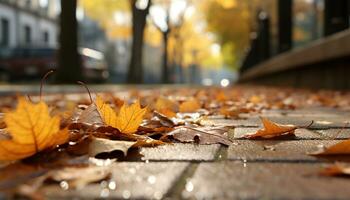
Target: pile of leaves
pixel 59 134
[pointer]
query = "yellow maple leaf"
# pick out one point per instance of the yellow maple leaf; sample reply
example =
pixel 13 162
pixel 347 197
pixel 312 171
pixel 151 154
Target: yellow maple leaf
pixel 127 120
pixel 32 129
pixel 272 129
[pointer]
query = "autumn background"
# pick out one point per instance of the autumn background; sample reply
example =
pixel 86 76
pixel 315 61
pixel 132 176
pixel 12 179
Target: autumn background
pixel 160 41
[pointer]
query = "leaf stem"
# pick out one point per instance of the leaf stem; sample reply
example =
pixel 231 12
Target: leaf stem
pixel 87 88
pixel 42 81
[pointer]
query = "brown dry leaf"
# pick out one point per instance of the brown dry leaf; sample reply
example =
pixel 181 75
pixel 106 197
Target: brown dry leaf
pixel 90 116
pixel 32 129
pixel 201 135
pixel 164 120
pixel 80 177
pixel 272 129
pixel 190 106
pixel 340 148
pixel 128 119
pixel 336 169
pixel 100 145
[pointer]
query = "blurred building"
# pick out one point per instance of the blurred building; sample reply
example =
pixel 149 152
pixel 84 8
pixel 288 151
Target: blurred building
pixel 29 23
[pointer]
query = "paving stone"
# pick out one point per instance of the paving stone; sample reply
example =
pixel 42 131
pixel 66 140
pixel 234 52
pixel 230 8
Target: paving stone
pixel 129 180
pixel 320 122
pixel 317 111
pixel 299 133
pixel 179 151
pixel 334 133
pixel 280 150
pixel 237 180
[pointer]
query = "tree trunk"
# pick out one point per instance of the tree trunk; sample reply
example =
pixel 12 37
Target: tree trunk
pixel 69 61
pixel 135 73
pixel 165 68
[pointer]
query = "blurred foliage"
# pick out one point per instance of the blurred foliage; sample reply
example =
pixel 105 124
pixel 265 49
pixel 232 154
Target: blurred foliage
pixel 230 21
pixel 105 12
pixel 211 22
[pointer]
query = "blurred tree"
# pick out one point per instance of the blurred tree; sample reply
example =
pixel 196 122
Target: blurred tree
pixel 140 10
pixel 109 12
pixel 233 21
pixel 191 45
pixel 69 69
pixel 172 18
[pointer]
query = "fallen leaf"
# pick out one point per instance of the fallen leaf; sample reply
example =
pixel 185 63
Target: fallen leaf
pixel 340 148
pixel 164 120
pixel 230 112
pixel 89 116
pixel 128 119
pixel 272 129
pixel 100 145
pixel 201 135
pixel 77 177
pixel 255 99
pixel 166 107
pixel 190 106
pixel 32 129
pixel 221 96
pixel 336 169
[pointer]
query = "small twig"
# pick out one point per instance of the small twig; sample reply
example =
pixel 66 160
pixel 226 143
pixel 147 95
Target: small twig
pixel 29 98
pixel 86 87
pixel 42 81
pixel 307 126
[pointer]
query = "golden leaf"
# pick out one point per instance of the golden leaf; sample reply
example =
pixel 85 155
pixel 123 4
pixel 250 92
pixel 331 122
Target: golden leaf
pixel 109 116
pixel 166 107
pixel 190 106
pixel 32 129
pixel 272 129
pixel 128 119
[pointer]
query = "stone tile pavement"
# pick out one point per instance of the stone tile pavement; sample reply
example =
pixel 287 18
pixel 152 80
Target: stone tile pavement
pixel 259 169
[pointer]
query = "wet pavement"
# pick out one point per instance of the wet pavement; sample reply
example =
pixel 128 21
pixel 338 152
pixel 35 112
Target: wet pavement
pixel 248 169
pixel 262 169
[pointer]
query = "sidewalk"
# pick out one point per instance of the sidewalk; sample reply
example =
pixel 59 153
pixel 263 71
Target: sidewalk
pixel 248 169
pixel 278 169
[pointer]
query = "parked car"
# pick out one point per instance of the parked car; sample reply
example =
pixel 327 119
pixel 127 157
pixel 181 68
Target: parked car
pixel 26 63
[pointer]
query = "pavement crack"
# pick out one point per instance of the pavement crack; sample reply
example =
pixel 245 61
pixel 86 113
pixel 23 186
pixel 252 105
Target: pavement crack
pixel 221 154
pixel 175 192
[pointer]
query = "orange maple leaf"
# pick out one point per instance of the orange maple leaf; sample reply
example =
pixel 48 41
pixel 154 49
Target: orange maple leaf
pixel 339 148
pixel 272 129
pixel 337 169
pixel 128 119
pixel 32 129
